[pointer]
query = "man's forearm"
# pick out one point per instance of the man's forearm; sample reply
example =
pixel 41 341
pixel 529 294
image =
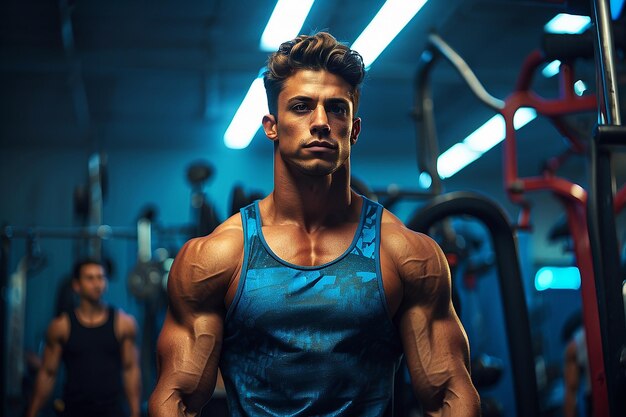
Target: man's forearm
pixel 168 404
pixel 43 388
pixel 462 401
pixel 132 386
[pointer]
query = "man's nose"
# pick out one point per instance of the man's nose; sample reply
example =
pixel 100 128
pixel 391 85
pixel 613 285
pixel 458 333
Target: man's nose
pixel 319 122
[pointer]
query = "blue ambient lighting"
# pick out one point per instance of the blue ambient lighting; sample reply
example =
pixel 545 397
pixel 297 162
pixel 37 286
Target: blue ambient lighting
pixel 557 278
pixel 384 27
pixel 567 23
pixel 480 141
pixel 285 23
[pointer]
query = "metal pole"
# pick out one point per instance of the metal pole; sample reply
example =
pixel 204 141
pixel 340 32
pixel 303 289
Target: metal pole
pixel 605 58
pixel 601 219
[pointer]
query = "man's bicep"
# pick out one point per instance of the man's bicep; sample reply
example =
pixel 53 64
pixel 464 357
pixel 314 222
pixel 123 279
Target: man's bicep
pixel 53 349
pixel 434 341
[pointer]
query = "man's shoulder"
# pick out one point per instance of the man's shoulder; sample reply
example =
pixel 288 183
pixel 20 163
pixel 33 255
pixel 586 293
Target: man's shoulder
pixel 398 238
pixel 59 328
pixel 125 323
pixel 227 236
pixel 205 266
pixel 417 257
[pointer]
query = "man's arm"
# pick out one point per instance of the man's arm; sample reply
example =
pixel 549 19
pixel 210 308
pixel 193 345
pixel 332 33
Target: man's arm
pixel 190 341
pixel 130 362
pixel 46 376
pixel 571 377
pixel 435 344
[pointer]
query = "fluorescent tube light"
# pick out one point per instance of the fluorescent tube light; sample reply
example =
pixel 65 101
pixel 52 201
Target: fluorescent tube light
pixel 480 141
pixel 384 27
pixel 567 23
pixel 557 278
pixel 285 23
pixel 455 159
pixel 388 22
pixel 551 69
pixel 248 118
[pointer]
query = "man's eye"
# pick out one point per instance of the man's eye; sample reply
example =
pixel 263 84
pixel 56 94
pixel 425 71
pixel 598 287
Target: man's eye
pixel 300 107
pixel 338 109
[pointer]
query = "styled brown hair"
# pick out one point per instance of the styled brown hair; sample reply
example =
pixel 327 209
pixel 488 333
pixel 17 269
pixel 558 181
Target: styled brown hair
pixel 78 266
pixel 317 52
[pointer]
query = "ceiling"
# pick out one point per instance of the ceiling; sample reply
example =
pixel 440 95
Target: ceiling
pixel 163 74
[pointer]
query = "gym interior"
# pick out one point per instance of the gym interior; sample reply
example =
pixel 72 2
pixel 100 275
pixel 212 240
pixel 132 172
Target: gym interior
pixel 483 125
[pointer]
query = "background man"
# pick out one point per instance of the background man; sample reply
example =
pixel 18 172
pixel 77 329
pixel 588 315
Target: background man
pixel 97 345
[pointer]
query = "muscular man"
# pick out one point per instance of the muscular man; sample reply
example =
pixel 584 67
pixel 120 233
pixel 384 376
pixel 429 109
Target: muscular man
pixel 307 299
pixel 97 345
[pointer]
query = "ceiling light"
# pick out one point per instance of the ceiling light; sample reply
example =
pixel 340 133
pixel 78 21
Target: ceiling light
pixel 388 22
pixel 551 69
pixel 580 87
pixel 248 118
pixel 285 23
pixel 384 27
pixel 455 159
pixel 567 23
pixel 480 141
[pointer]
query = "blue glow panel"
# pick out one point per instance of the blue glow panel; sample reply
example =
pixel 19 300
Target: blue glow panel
pixel 567 23
pixel 285 23
pixel 557 278
pixel 617 7
pixel 384 27
pixel 425 180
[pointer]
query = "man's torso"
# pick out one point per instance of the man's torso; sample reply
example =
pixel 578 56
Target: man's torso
pixel 311 340
pixel 92 359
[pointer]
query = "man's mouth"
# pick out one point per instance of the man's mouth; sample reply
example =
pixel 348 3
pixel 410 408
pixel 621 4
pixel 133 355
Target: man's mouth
pixel 320 144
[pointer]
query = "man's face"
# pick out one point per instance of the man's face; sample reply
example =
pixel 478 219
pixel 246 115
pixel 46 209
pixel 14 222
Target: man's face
pixel 315 128
pixel 92 282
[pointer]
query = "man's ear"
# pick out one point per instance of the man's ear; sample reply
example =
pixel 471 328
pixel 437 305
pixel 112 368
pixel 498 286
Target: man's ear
pixel 75 285
pixel 269 126
pixel 356 129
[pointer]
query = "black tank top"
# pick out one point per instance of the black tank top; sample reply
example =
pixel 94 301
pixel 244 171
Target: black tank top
pixel 93 363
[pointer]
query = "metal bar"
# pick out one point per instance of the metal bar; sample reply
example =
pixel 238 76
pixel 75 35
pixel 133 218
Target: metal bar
pixel 102 231
pixel 605 58
pixel 601 219
pixel 466 72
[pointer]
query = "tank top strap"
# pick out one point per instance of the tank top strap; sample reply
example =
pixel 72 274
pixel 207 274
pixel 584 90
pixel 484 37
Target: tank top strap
pixel 367 243
pixel 74 323
pixel 111 319
pixel 250 221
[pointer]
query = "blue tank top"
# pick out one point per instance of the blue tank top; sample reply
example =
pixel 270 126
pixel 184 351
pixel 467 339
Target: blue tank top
pixel 310 340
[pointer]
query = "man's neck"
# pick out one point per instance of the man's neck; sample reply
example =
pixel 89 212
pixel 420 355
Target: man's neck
pixel 88 308
pixel 312 202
